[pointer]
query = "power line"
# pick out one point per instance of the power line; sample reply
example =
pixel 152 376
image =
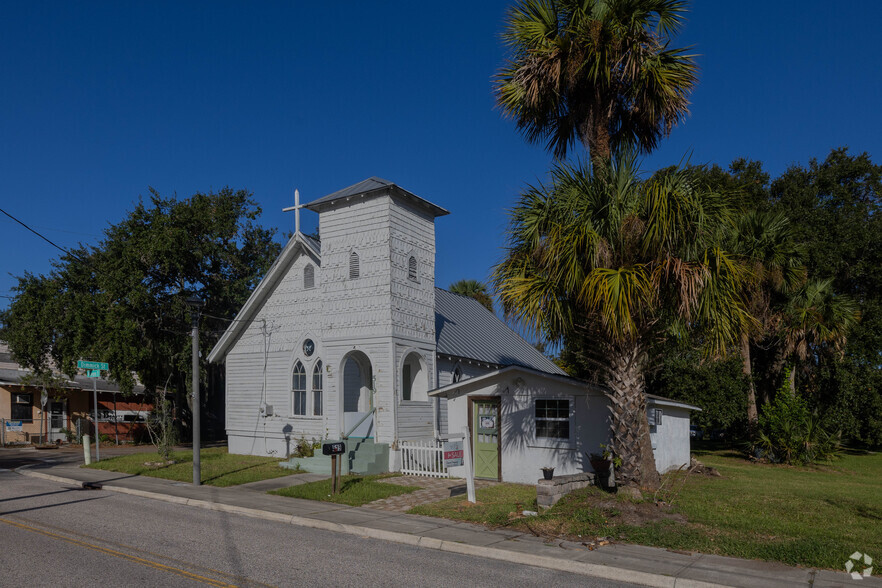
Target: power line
pixel 220 318
pixel 45 238
pixel 94 268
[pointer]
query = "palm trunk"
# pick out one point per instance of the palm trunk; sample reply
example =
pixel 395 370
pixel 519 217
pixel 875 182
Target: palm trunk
pixel 629 425
pixel 594 133
pixel 792 379
pixel 747 370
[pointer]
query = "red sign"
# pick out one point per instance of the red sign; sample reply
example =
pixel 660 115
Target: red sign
pixel 453 454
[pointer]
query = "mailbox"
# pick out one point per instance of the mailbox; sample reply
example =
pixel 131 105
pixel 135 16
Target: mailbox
pixel 336 448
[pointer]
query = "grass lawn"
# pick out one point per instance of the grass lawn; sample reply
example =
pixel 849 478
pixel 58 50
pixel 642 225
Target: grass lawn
pixel 219 468
pixel 809 516
pixel 354 490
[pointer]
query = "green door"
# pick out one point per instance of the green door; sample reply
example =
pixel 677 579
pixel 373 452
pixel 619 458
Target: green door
pixel 485 434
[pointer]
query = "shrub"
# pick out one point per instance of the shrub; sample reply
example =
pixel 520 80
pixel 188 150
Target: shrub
pixel 305 448
pixel 790 433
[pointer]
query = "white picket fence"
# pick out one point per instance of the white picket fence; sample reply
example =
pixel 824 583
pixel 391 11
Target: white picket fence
pixel 422 458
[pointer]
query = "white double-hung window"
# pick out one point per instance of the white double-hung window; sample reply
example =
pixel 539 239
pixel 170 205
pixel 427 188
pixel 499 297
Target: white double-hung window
pixel 552 420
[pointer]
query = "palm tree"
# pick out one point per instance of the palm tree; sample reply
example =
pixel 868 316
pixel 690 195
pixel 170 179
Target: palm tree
pixel 816 318
pixel 596 71
pixel 473 289
pixel 766 241
pixel 601 257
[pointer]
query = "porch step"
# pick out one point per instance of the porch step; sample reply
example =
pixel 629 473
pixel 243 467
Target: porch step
pixel 367 457
pixel 319 464
pixel 362 456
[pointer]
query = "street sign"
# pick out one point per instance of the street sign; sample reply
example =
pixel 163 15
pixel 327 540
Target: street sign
pixel 453 454
pixel 93 373
pixel 333 448
pixel 93 365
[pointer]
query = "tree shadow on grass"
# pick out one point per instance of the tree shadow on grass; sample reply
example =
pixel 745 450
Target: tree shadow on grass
pixel 858 509
pixel 231 472
pixel 350 484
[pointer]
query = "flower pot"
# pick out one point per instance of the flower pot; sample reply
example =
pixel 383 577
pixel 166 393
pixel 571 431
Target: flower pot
pixel 601 466
pixel 547 473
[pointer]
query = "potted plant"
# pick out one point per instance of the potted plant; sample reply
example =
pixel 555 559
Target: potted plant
pixel 601 461
pixel 547 472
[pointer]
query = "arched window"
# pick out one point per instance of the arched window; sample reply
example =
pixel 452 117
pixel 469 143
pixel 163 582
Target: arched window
pixel 354 269
pixel 414 378
pixel 412 269
pixel 317 389
pixel 457 375
pixel 308 277
pixel 298 389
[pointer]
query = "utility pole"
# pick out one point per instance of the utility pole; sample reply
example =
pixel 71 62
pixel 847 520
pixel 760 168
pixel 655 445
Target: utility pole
pixel 196 304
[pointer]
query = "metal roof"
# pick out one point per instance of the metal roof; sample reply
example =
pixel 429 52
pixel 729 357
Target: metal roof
pixel 371 186
pixel 10 377
pixel 464 328
pixel 662 401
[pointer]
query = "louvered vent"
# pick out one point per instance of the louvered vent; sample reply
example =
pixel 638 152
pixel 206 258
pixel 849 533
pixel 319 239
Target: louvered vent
pixel 412 269
pixel 308 277
pixel 354 268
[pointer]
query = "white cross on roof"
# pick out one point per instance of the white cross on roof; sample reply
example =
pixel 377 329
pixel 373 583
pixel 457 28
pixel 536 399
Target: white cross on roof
pixel 296 208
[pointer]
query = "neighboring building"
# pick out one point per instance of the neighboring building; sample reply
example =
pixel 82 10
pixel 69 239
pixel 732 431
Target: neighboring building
pixel 351 336
pixel 22 418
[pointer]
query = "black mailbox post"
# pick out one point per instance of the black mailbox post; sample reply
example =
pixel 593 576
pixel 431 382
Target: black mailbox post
pixel 334 449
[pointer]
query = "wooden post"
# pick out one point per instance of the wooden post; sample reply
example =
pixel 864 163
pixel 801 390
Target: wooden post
pixel 470 469
pixel 334 475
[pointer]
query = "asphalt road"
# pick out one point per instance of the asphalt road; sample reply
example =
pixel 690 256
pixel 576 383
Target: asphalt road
pixel 51 533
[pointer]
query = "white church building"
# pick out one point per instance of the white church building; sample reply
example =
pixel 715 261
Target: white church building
pixel 349 338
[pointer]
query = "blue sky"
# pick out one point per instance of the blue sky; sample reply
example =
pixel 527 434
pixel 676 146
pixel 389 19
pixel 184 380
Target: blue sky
pixel 99 101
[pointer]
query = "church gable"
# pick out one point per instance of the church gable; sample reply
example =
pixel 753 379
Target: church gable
pixel 289 293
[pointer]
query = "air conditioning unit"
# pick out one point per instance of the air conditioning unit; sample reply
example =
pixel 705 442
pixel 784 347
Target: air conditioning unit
pixel 266 410
pixel 22 398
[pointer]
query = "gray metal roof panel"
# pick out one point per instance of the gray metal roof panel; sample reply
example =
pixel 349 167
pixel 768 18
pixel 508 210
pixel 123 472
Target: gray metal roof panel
pixel 373 184
pixel 13 378
pixel 464 328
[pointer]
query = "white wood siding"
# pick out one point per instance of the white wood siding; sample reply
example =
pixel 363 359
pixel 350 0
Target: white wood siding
pixel 446 368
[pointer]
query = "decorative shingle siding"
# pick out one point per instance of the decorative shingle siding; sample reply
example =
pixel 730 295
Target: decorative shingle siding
pixel 356 308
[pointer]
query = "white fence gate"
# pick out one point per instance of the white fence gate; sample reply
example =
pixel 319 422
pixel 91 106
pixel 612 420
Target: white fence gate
pixel 423 458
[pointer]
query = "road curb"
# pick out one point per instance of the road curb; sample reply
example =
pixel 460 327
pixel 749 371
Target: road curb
pixel 542 561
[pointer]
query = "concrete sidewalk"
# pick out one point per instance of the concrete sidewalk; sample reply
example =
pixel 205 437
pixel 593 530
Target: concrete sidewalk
pixel 627 563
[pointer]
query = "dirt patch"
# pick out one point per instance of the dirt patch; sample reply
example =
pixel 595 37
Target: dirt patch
pixel 159 464
pixel 593 517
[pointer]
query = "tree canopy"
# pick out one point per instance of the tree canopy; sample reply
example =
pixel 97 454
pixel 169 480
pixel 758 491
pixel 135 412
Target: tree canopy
pixel 614 266
pixel 123 300
pixel 833 231
pixel 473 289
pixel 601 72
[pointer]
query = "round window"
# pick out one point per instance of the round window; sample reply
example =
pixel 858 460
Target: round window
pixel 308 347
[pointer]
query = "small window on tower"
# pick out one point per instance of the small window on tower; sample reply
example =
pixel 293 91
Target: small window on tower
pixel 354 269
pixel 412 269
pixel 308 277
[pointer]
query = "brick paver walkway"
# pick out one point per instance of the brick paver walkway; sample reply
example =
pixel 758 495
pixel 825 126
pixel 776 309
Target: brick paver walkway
pixel 432 490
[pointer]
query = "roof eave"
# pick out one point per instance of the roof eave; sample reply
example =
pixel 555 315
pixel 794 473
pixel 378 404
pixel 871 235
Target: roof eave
pixel 454 389
pixel 321 205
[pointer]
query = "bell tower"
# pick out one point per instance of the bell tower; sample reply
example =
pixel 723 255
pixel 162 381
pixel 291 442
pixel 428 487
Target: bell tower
pixel 378 292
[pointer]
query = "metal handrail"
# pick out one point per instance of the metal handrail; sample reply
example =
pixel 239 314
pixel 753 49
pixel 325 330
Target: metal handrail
pixel 363 419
